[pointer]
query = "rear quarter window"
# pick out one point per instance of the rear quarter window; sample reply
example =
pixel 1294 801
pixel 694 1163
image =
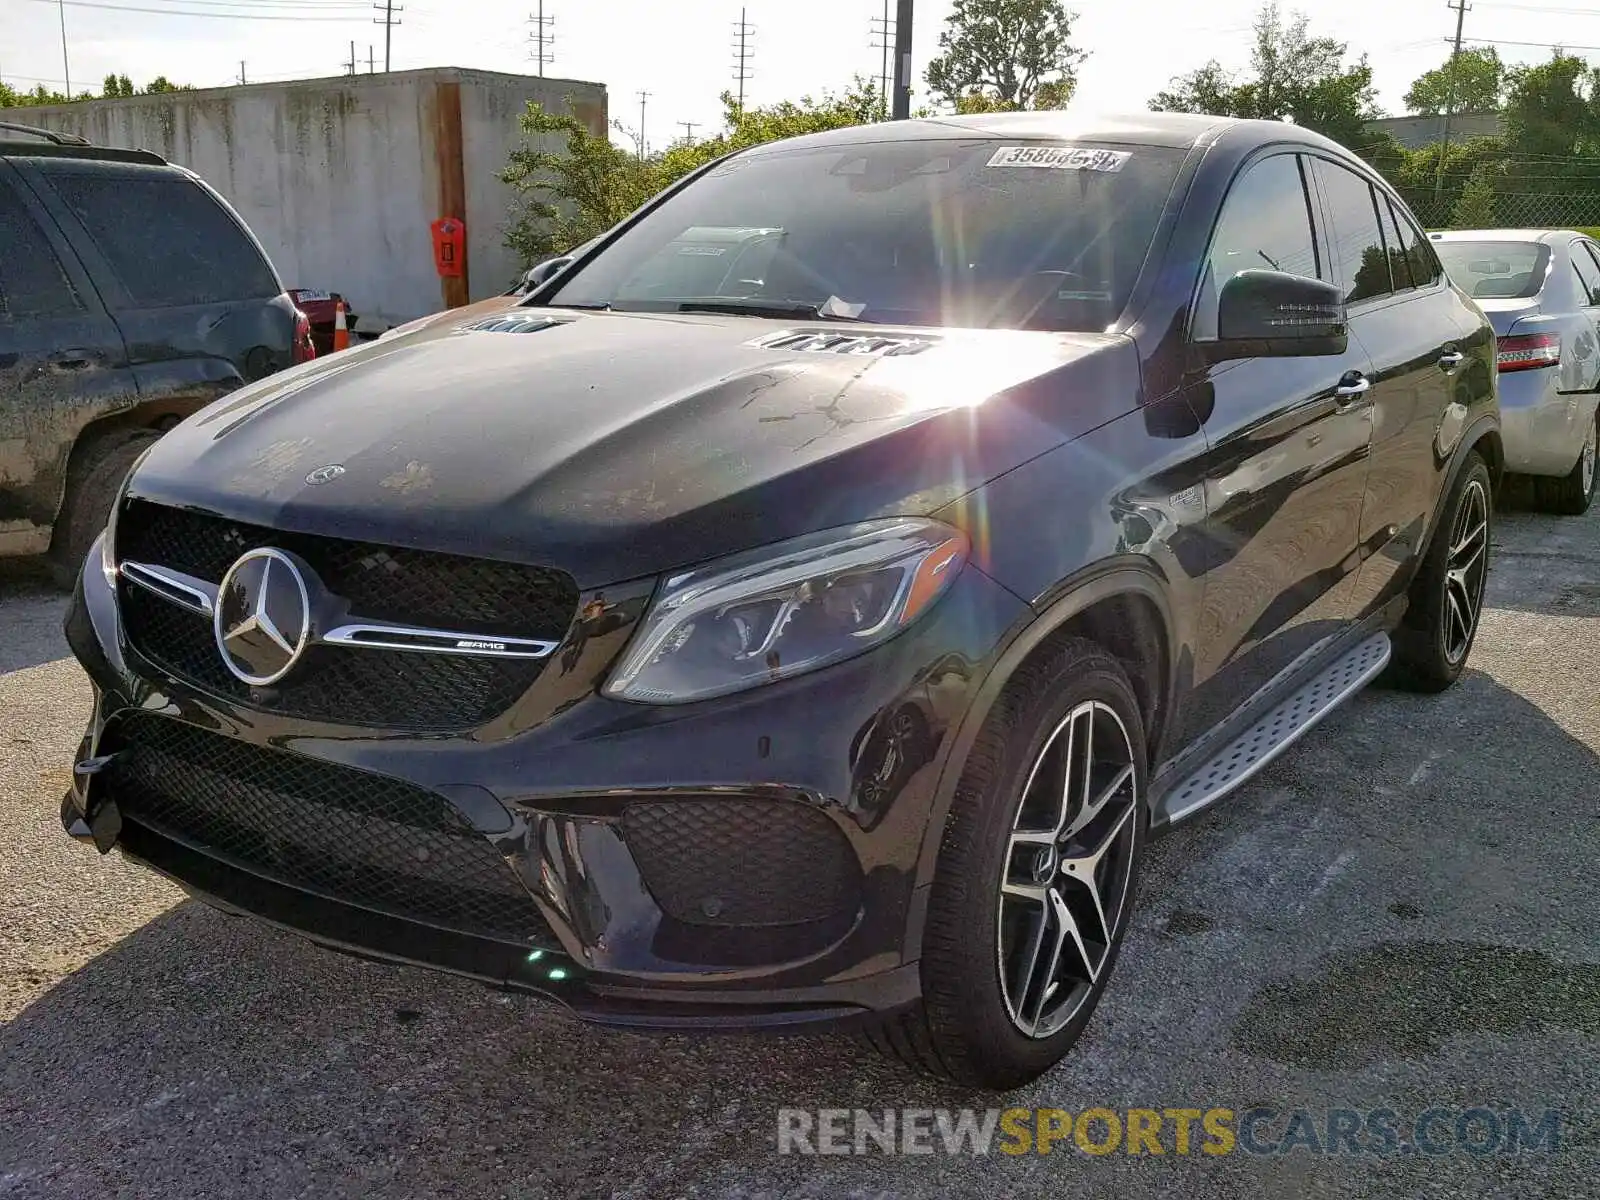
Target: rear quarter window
pixel 168 241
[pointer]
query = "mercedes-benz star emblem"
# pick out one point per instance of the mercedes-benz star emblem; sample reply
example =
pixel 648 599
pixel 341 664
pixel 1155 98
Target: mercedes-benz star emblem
pixel 325 474
pixel 263 617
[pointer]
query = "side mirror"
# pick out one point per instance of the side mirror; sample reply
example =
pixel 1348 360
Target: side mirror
pixel 543 273
pixel 1272 314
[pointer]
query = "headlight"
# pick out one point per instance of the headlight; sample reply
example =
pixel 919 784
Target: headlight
pixel 771 613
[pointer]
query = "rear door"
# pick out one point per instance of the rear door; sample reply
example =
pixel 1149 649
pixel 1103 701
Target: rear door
pixel 199 306
pixel 1286 465
pixel 1408 328
pixel 1585 349
pixel 62 365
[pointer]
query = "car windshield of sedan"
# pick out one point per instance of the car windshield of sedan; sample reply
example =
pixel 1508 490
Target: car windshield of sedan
pixel 1495 270
pixel 973 233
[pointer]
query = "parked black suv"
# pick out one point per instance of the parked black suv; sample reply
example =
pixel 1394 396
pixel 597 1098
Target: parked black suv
pixel 800 609
pixel 131 296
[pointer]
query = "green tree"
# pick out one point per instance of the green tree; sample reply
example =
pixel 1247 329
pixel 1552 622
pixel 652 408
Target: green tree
pixel 1019 52
pixel 1550 109
pixel 116 85
pixel 567 196
pixel 1292 76
pixel 1475 208
pixel 162 84
pixel 1471 83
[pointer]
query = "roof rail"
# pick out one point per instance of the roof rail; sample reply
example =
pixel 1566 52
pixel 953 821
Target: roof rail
pixel 49 135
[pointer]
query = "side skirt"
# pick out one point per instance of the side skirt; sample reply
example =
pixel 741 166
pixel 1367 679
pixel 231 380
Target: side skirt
pixel 1272 733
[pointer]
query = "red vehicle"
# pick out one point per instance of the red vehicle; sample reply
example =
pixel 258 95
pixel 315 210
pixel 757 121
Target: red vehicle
pixel 319 308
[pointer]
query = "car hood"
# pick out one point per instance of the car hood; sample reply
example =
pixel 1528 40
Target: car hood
pixel 619 445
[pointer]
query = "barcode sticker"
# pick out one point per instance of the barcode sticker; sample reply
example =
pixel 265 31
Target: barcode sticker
pixel 1060 158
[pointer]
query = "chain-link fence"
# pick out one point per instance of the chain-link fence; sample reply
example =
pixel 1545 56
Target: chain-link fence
pixel 1490 209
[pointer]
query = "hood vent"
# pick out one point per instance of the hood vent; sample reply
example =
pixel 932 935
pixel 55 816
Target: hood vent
pixel 512 322
pixel 872 345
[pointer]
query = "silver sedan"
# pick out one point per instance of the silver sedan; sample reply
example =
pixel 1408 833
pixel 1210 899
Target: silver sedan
pixel 1540 289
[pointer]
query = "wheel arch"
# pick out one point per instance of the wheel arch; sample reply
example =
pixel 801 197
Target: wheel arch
pixel 1124 608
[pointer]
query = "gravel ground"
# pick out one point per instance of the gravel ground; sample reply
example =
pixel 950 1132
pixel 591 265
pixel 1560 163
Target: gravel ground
pixel 1399 913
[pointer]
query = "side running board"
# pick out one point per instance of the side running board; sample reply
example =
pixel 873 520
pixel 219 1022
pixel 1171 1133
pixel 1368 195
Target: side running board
pixel 1277 730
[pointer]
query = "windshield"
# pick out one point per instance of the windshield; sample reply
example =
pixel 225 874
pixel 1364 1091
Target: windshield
pixel 976 233
pixel 1495 270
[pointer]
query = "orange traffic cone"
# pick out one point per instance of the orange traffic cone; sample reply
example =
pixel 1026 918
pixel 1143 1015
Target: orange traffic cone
pixel 341 331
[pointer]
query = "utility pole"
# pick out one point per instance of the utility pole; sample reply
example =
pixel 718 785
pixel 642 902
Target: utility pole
pixel 1459 7
pixel 66 71
pixel 241 70
pixel 541 40
pixel 688 130
pixel 743 52
pixel 388 8
pixel 643 96
pixel 883 39
pixel 350 65
pixel 902 61
pixel 371 69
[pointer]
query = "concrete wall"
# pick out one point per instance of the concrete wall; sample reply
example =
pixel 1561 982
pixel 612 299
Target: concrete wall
pixel 341 177
pixel 1416 132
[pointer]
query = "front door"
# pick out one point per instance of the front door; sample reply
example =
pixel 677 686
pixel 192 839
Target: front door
pixel 1287 461
pixel 1403 313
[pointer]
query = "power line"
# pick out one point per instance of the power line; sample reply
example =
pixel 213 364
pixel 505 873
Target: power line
pixel 743 52
pixel 388 9
pixel 541 39
pixel 176 12
pixel 1541 45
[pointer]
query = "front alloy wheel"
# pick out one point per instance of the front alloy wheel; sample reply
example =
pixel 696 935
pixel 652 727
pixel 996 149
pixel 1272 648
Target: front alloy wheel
pixel 1038 866
pixel 1064 885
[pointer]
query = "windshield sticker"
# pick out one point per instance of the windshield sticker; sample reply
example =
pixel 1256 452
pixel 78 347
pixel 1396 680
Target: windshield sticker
pixel 1060 158
pixel 703 251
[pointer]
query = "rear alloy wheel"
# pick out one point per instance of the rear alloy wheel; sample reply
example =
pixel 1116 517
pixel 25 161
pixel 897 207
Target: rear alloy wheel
pixel 1571 496
pixel 1431 647
pixel 1036 879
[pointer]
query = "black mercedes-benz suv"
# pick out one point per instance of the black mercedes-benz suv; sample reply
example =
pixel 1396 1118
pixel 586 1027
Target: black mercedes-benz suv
pixel 801 607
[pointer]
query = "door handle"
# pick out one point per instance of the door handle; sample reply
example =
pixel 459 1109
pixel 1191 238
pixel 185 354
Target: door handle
pixel 1350 391
pixel 71 360
pixel 1451 359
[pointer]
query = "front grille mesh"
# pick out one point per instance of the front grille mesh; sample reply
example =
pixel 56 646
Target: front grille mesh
pixel 384 689
pixel 352 836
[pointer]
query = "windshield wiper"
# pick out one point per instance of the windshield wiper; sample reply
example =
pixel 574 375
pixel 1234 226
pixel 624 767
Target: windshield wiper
pixel 829 310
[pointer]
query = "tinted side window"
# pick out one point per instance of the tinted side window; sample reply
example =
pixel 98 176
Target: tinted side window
pixel 167 240
pixel 1399 264
pixel 1357 242
pixel 1424 263
pixel 1588 273
pixel 1265 225
pixel 32 281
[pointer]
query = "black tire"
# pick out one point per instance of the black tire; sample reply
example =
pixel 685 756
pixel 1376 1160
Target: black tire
pixel 1428 652
pixel 962 1029
pixel 93 479
pixel 1571 495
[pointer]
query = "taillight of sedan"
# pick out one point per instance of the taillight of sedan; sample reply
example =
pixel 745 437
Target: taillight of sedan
pixel 1526 351
pixel 304 349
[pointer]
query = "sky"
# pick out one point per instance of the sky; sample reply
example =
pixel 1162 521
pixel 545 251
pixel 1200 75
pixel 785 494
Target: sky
pixel 681 52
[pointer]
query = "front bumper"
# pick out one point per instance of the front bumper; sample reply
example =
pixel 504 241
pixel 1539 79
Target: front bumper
pixel 668 852
pixel 1542 429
